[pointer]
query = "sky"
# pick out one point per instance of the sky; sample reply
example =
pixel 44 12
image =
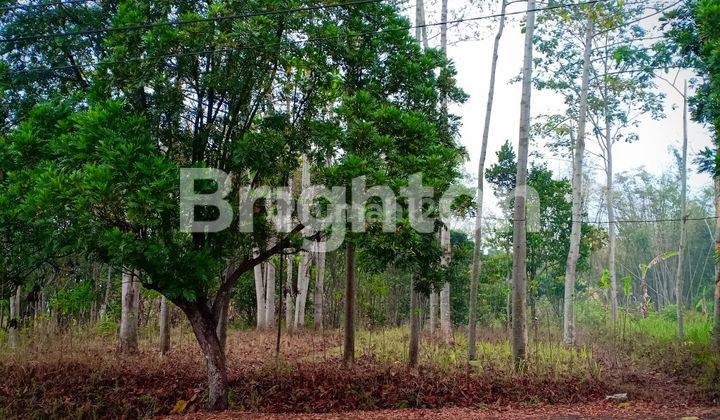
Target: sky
pixel 472 61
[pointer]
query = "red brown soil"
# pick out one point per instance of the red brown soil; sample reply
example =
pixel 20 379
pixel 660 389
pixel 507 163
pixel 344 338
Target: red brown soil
pixel 81 379
pixel 563 411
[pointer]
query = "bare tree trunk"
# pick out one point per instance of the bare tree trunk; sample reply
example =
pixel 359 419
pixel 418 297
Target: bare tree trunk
pixel 433 310
pixel 221 328
pixel 477 252
pixel 305 264
pixel 164 326
pixel 445 320
pixel 349 345
pixel 645 296
pixel 414 325
pixel 205 327
pixel 259 292
pixel 683 227
pixel 270 293
pixel 576 230
pixel 14 320
pixel 610 206
pixel 716 310
pixel 420 28
pixel 303 283
pixel 106 297
pixel 319 288
pixel 130 310
pixel 611 218
pixel 519 320
pixel 289 310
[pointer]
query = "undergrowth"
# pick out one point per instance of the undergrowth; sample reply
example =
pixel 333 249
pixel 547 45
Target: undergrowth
pixel 652 343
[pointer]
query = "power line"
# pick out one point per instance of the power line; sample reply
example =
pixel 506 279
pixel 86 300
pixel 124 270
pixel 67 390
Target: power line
pixel 127 28
pixel 620 221
pixel 43 5
pixel 227 48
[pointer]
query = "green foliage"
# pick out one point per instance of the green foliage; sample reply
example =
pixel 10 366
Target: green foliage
pixel 96 172
pixel 548 246
pixel 692 33
pixel 73 299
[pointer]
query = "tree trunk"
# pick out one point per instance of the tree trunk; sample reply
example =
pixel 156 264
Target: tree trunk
pixel 716 310
pixel 414 325
pixel 259 292
pixel 645 296
pixel 289 309
pixel 221 328
pixel 420 28
pixel 433 310
pixel 204 327
pixel 445 321
pixel 129 314
pixel 14 320
pixel 270 293
pixel 305 257
pixel 683 227
pixel 319 289
pixel 349 345
pixel 164 326
pixel 611 215
pixel 519 321
pixel 106 297
pixel 477 252
pixel 303 283
pixel 576 230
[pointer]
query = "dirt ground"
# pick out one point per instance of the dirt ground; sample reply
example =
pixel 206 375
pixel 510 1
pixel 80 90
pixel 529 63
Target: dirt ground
pixel 590 410
pixel 77 377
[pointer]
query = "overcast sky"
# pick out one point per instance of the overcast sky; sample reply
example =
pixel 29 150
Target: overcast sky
pixel 472 60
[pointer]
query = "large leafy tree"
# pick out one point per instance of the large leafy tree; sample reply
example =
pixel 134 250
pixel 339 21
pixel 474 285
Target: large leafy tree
pixel 95 169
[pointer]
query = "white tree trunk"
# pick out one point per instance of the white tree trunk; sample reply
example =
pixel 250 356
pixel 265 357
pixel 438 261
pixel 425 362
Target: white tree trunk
pixel 270 293
pixel 106 297
pixel 289 307
pixel 303 283
pixel 576 230
pixel 129 312
pixel 14 320
pixel 519 271
pixel 683 228
pixel 445 320
pixel 420 28
pixel 164 326
pixel 259 292
pixel 477 251
pixel 305 257
pixel 434 298
pixel 318 307
pixel 611 217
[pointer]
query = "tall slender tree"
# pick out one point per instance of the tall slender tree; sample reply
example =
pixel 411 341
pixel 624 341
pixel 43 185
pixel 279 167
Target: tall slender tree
pixel 577 204
pixel 683 223
pixel 519 270
pixel 477 252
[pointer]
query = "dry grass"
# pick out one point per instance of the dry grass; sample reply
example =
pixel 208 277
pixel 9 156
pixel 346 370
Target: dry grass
pixel 80 374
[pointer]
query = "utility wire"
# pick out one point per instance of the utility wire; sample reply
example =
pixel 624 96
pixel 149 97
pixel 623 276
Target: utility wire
pixel 307 41
pixel 144 26
pixel 620 221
